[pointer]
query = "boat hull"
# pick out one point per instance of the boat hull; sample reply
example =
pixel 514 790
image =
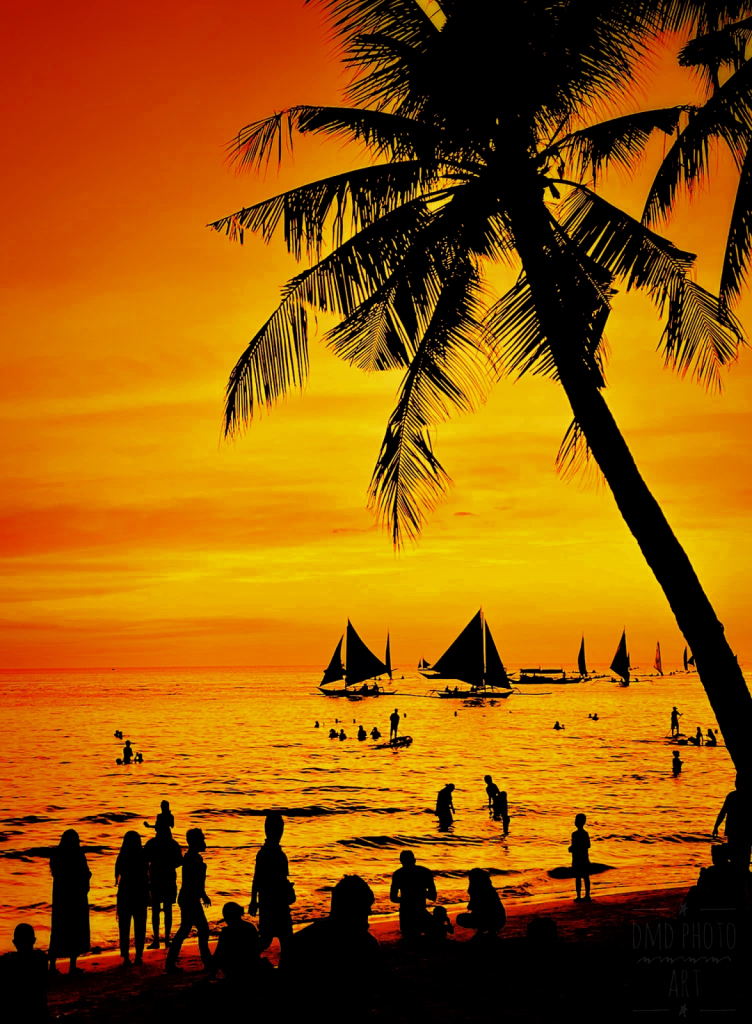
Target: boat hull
pixel 473 695
pixel 352 694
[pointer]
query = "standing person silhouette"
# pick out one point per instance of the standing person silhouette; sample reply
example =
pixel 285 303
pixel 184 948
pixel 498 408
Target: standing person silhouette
pixel 23 979
pixel 70 936
pixel 127 752
pixel 581 857
pixel 492 792
pixel 736 810
pixel 165 818
pixel 675 716
pixel 132 880
pixel 192 896
pixel 394 721
pixel 272 892
pixel 412 885
pixel 676 764
pixel 445 806
pixel 501 810
pixel 164 857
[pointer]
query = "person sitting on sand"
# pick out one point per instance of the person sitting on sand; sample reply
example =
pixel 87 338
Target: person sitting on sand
pixel 711 739
pixel 445 806
pixel 362 734
pixel 715 888
pixel 676 764
pixel 164 857
pixel 272 892
pixel 192 896
pixel 127 752
pixel 412 886
pixel 132 880
pixel 238 951
pixel 375 734
pixel 580 857
pixel 70 935
pixel 342 734
pixel 338 953
pixel 23 979
pixel 441 926
pixel 485 911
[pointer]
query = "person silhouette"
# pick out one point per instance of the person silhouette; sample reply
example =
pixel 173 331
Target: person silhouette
pixel 557 726
pixel 441 926
pixel 362 734
pixel 675 716
pixel 492 792
pixel 412 885
pixel 676 764
pixel 272 892
pixel 375 734
pixel 736 810
pixel 127 752
pixel 342 734
pixel 164 857
pixel 132 880
pixel 238 950
pixel 165 818
pixel 316 726
pixel 485 911
pixel 192 896
pixel 69 936
pixel 394 721
pixel 595 717
pixel 139 758
pixel 501 810
pixel 23 979
pixel 711 739
pixel 333 734
pixel 698 737
pixel 580 857
pixel 445 806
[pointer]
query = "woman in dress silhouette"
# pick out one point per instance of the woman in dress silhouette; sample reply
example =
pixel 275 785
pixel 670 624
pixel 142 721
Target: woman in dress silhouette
pixel 70 935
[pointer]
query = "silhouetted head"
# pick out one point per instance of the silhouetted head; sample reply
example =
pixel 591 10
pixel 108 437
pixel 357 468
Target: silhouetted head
pixel 131 844
pixel 676 753
pixel 127 743
pixel 195 839
pixel 487 779
pixel 69 841
pixel 274 826
pixel 580 820
pixel 24 938
pixel 165 805
pixel 503 793
pixel 742 782
pixel 232 912
pixel 719 855
pixel 407 859
pixel 478 881
pixel 450 786
pixel 352 900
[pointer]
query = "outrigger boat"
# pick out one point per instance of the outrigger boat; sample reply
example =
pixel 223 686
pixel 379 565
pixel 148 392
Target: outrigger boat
pixel 360 665
pixel 473 659
pixel 555 676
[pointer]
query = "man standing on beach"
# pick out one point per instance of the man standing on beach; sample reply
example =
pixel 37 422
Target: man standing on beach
pixel 192 895
pixel 412 885
pixel 394 721
pixel 272 891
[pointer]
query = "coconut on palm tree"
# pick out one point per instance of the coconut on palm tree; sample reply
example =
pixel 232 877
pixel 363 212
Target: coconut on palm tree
pixel 483 149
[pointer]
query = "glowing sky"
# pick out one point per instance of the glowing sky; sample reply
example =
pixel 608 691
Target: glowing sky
pixel 130 535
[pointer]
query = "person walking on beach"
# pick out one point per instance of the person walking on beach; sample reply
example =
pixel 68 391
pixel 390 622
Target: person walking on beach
pixel 445 806
pixel 485 911
pixel 192 896
pixel 394 721
pixel 132 880
pixel 676 764
pixel 412 886
pixel 272 892
pixel 580 857
pixel 70 936
pixel 736 809
pixel 164 857
pixel 675 716
pixel 23 979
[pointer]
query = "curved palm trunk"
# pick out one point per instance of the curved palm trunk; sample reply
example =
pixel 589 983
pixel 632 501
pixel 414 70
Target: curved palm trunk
pixel 716 663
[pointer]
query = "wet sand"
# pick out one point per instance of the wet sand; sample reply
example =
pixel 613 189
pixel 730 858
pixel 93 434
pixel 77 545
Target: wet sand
pixel 594 971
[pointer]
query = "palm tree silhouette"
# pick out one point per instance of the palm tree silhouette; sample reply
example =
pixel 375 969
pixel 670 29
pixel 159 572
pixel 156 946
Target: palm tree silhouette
pixel 482 148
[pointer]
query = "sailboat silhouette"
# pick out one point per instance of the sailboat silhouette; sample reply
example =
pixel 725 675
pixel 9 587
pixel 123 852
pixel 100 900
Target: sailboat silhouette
pixel 360 664
pixel 474 659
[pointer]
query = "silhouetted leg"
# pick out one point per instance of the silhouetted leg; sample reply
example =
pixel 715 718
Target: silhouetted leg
pixel 587 887
pixel 202 927
pixel 124 927
pixel 578 887
pixel 139 930
pixel 186 923
pixel 167 922
pixel 155 924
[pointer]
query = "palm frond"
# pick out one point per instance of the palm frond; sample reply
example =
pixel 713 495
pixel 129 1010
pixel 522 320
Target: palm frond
pixel 620 140
pixel 739 242
pixel 725 116
pixel 710 52
pixel 350 201
pixel 575 457
pixel 701 336
pixel 447 373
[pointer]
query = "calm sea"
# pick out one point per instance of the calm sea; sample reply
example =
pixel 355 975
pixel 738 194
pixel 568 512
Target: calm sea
pixel 224 745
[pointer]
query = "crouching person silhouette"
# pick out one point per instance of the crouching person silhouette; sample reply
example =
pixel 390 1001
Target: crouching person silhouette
pixel 192 895
pixel 485 911
pixel 238 950
pixel 23 979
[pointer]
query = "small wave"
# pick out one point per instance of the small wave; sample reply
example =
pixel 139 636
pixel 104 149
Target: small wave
pixel 371 842
pixel 29 819
pixel 463 873
pixel 313 811
pixel 595 869
pixel 111 817
pixel 46 852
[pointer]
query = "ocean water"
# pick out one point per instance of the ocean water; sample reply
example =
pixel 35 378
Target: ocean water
pixel 224 745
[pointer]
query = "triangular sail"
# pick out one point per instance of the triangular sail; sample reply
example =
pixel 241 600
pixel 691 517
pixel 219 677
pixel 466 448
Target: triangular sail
pixel 620 664
pixel 691 661
pixel 361 663
pixel 496 674
pixel 464 658
pixel 388 659
pixel 334 670
pixel 685 659
pixel 658 663
pixel 581 663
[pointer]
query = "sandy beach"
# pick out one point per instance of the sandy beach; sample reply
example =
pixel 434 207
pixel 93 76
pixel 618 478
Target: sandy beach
pixel 598 970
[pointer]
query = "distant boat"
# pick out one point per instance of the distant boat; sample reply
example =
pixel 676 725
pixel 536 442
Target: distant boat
pixel 688 661
pixel 620 665
pixel 360 665
pixel 423 664
pixel 555 676
pixel 658 664
pixel 474 659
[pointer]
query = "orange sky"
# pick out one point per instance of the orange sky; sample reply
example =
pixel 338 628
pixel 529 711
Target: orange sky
pixel 129 535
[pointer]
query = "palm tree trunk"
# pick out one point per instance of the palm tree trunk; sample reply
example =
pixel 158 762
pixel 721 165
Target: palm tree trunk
pixel 716 663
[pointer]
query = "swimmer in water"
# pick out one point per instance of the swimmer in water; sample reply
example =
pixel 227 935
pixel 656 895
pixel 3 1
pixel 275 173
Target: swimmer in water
pixel 362 734
pixel 333 734
pixel 342 734
pixel 375 734
pixel 557 726
pixel 676 764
